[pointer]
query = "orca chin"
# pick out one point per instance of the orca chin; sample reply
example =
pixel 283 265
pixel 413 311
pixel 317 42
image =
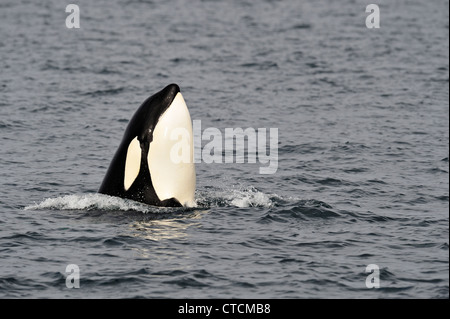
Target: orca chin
pixel 154 162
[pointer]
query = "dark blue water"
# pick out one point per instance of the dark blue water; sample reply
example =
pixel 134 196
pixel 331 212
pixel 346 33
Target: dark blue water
pixel 363 172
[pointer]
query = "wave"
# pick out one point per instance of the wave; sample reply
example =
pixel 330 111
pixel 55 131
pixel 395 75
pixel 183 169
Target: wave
pixel 242 197
pixel 89 202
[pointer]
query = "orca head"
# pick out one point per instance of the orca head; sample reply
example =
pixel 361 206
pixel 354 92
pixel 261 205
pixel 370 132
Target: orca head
pixel 159 144
pixel 144 121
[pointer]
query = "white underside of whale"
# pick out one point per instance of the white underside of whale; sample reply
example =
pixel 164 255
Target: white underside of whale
pixel 170 157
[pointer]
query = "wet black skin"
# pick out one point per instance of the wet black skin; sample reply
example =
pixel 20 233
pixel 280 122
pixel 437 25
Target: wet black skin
pixel 142 125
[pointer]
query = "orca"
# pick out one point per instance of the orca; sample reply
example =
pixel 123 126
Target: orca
pixel 154 162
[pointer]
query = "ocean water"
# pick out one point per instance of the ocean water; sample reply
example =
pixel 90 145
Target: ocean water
pixel 363 145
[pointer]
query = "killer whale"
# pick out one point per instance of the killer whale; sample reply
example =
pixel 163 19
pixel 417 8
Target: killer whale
pixel 147 166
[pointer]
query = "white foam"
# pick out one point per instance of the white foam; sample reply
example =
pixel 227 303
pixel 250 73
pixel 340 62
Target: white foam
pixel 234 196
pixel 89 202
pixel 250 198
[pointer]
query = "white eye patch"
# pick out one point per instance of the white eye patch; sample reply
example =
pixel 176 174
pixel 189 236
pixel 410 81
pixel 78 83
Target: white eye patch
pixel 132 163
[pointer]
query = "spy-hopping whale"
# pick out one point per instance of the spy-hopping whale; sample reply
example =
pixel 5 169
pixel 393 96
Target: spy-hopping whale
pixel 154 162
